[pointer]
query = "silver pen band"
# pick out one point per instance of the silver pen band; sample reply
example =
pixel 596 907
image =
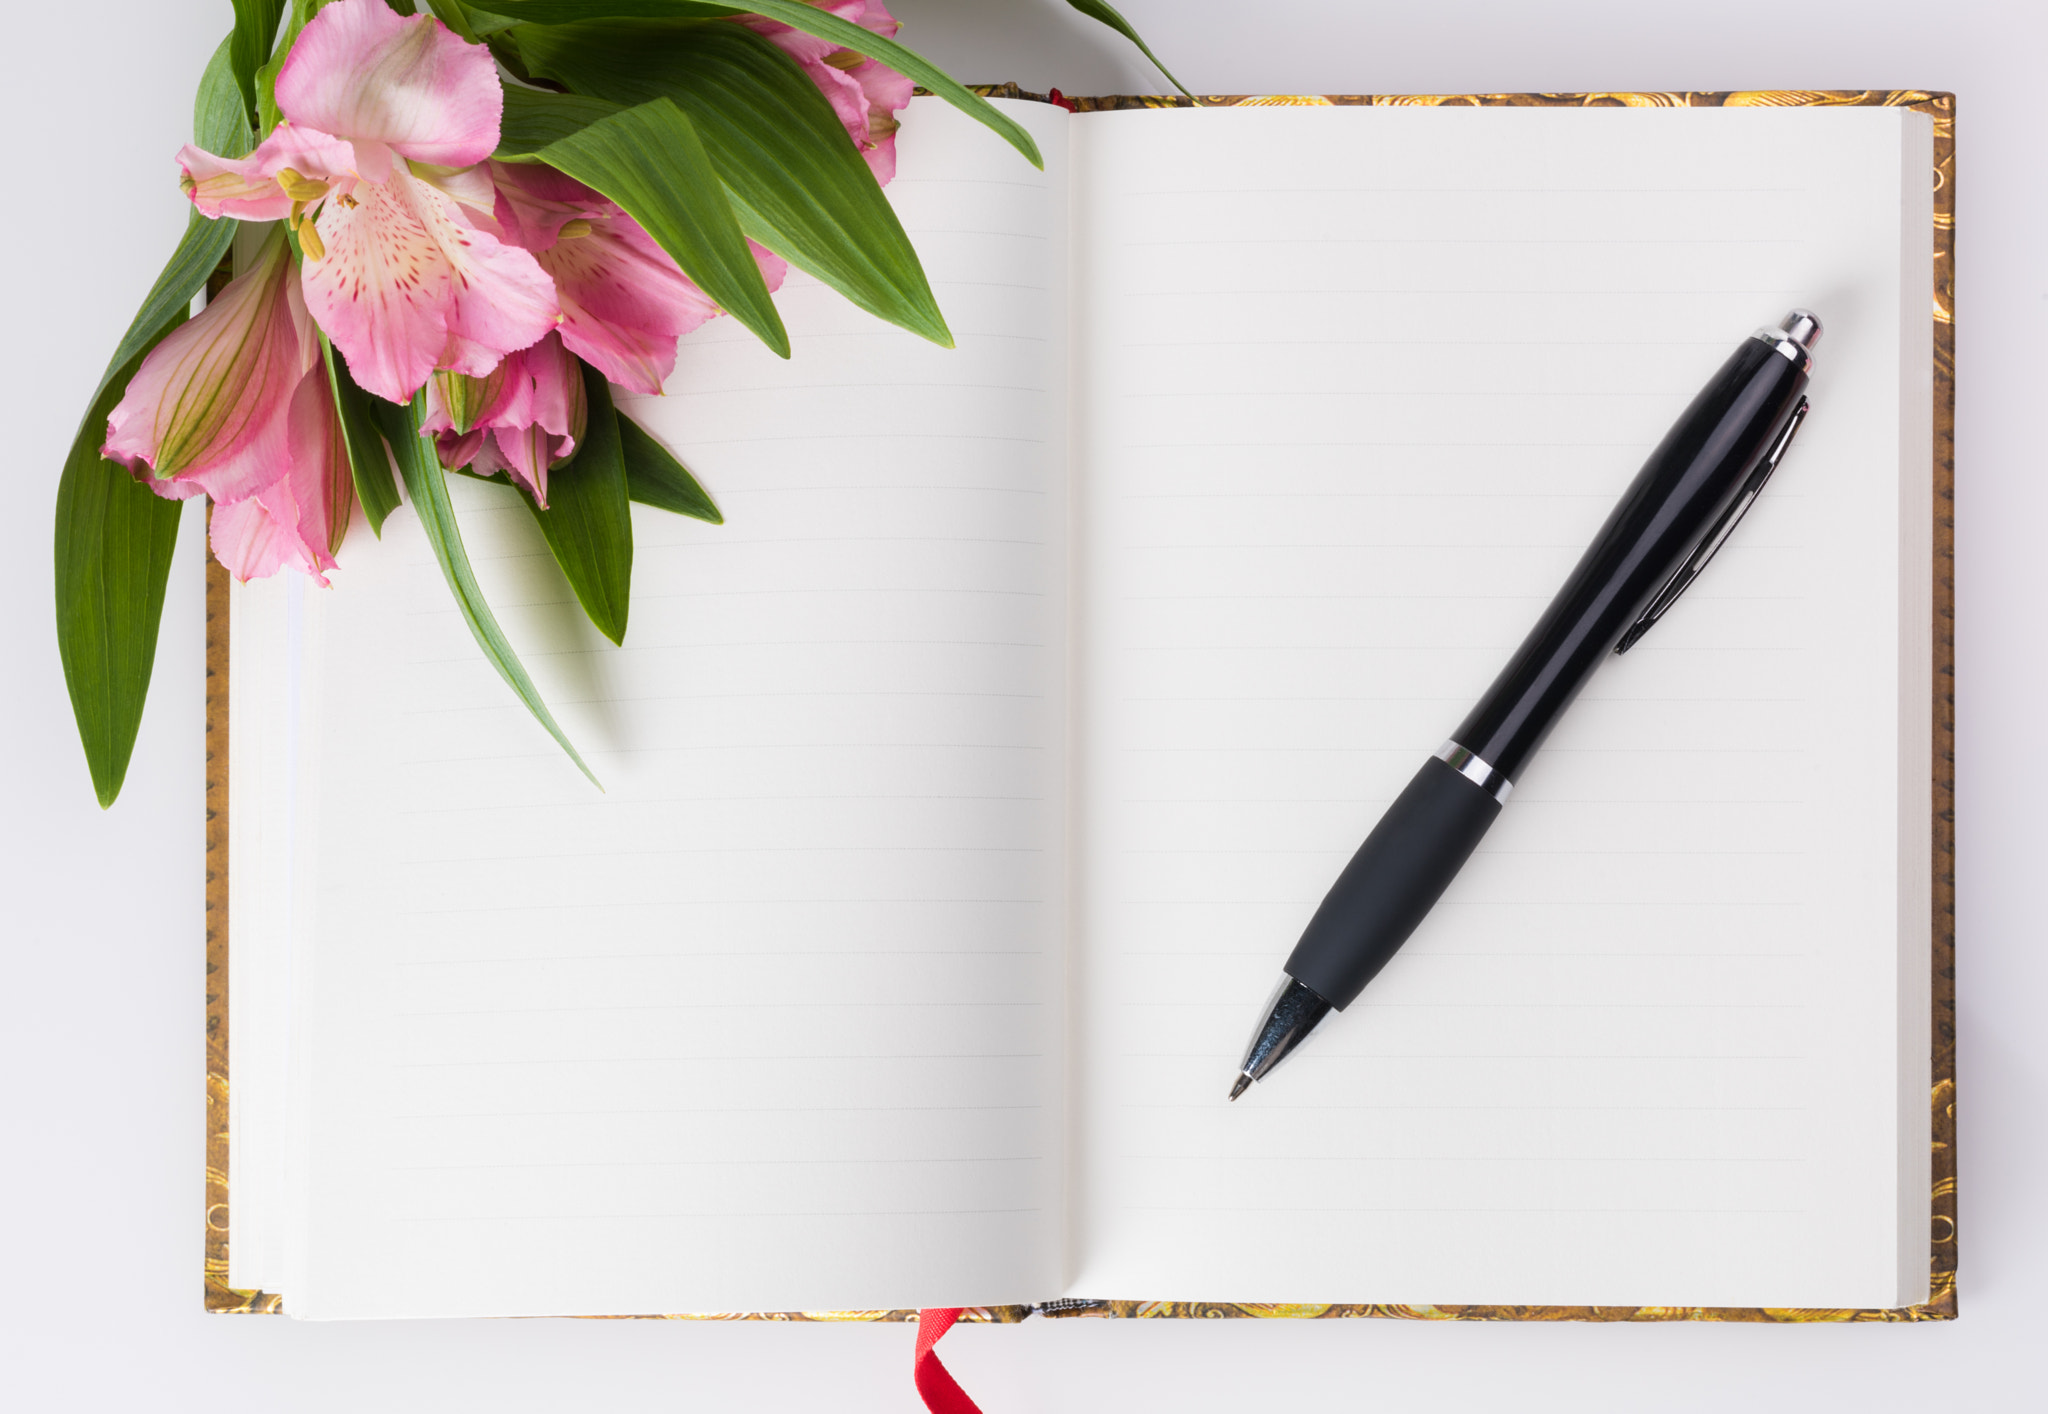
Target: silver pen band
pixel 1794 337
pixel 1479 772
pixel 1798 353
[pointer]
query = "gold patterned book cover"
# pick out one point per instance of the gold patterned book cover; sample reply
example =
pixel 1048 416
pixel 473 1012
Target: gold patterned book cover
pixel 963 791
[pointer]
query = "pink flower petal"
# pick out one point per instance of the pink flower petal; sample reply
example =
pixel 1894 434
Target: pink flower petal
pixel 811 54
pixel 865 93
pixel 480 401
pixel 875 17
pixel 534 202
pixel 209 405
pixel 242 475
pixel 624 301
pixel 321 482
pixel 471 186
pixel 539 423
pixel 888 93
pixel 246 540
pixel 483 458
pixel 879 152
pixel 409 284
pixel 386 81
pixel 249 188
pixel 458 449
pixel 534 416
pixel 526 453
pixel 300 518
pixel 557 399
pixel 774 269
pixel 172 490
pixel 795 41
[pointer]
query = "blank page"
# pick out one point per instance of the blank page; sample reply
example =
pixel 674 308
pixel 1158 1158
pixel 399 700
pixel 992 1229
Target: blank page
pixel 261 741
pixel 771 1021
pixel 1354 389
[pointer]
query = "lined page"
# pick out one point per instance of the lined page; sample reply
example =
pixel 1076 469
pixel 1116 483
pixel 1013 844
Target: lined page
pixel 1354 390
pixel 773 1021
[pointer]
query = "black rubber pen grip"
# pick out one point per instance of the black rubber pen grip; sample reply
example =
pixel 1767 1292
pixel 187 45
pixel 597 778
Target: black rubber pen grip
pixel 1393 881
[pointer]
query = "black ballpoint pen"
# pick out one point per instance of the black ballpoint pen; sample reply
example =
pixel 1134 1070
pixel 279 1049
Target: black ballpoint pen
pixel 1676 513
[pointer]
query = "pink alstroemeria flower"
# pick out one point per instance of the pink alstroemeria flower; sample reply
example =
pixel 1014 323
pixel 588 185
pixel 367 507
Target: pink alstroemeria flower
pixel 300 518
pixel 624 301
pixel 866 93
pixel 380 111
pixel 208 409
pixel 523 419
pixel 235 404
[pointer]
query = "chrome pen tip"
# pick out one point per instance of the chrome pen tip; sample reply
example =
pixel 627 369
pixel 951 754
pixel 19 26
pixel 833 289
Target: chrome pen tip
pixel 1244 1083
pixel 1802 327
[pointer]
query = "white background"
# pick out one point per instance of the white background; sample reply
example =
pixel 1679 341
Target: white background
pixel 100 922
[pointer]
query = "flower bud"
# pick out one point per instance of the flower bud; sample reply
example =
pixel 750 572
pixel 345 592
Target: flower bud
pixel 468 400
pixel 209 401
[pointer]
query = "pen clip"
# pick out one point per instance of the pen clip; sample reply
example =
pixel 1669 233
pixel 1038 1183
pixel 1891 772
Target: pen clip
pixel 1717 534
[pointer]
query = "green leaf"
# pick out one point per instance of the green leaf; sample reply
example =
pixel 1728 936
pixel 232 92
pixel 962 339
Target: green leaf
pixel 255 28
pixel 196 257
pixel 798 186
pixel 650 161
pixel 368 464
pixel 798 16
pixel 220 124
pixel 563 12
pixel 267 114
pixel 587 521
pixel 115 536
pixel 114 543
pixel 217 117
pixel 534 118
pixel 455 15
pixel 1097 10
pixel 427 485
pixel 655 478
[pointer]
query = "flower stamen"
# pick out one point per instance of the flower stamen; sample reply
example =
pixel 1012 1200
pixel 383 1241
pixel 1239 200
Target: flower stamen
pixel 300 188
pixel 571 230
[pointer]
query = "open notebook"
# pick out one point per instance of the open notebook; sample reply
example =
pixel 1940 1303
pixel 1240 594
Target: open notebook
pixel 964 792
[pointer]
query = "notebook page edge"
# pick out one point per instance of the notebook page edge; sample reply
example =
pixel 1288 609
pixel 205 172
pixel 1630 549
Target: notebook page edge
pixel 1917 690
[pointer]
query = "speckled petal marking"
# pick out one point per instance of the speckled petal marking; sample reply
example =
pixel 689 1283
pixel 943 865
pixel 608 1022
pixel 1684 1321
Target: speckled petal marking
pixel 408 285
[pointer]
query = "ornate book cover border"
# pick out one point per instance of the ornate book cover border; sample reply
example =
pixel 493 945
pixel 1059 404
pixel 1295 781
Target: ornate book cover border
pixel 1942 1245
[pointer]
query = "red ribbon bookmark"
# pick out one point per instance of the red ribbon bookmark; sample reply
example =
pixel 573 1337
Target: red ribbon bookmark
pixel 942 1394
